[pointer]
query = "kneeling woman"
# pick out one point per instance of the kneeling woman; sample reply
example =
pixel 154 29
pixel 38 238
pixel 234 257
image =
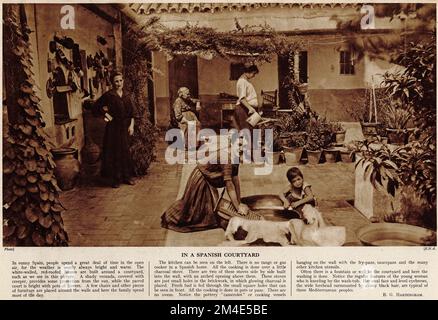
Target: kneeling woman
pixel 195 211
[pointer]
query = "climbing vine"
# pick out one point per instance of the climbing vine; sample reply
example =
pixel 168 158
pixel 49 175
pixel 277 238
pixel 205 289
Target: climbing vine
pixel 137 72
pixel 254 43
pixel 31 206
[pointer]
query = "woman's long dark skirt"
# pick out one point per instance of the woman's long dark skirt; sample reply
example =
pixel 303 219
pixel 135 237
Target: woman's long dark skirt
pixel 195 211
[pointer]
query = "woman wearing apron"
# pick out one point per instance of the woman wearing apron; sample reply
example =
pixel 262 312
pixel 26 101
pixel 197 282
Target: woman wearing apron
pixel 247 98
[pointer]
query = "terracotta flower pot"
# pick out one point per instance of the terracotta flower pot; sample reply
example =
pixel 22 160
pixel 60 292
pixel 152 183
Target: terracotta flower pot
pixel 293 155
pixel 313 157
pixel 331 155
pixel 369 129
pixel 340 136
pixel 346 156
pixel 284 139
pixel 67 167
pixel 397 136
pixel 274 156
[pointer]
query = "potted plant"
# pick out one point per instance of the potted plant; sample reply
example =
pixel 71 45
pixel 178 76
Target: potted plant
pixel 374 99
pixel 382 134
pixel 294 151
pixel 319 136
pixel 339 132
pixel 286 124
pixel 347 154
pixel 396 118
pixel 275 145
pixel 276 153
pixel 411 166
pixel 398 169
pixel 331 155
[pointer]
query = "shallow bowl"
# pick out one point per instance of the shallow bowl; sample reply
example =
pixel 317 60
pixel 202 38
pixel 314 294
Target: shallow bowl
pixel 394 234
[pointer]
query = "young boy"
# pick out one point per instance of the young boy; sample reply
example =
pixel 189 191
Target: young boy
pixel 298 192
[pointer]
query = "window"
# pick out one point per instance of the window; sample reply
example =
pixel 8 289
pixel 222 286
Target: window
pixel 347 62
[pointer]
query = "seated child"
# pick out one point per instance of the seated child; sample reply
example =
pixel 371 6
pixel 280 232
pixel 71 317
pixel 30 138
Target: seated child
pixel 298 192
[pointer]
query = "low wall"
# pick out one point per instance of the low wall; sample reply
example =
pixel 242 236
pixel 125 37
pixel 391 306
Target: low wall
pixel 335 103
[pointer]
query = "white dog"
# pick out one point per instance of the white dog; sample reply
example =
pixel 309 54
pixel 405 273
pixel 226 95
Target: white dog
pixel 294 231
pixel 268 231
pixel 313 231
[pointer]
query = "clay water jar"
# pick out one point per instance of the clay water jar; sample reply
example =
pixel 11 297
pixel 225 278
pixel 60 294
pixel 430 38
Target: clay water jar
pixel 67 167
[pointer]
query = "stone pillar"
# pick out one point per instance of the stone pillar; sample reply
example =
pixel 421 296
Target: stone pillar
pixel 371 201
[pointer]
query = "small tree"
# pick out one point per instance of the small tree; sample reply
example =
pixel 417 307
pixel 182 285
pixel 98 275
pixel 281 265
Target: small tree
pixel 414 165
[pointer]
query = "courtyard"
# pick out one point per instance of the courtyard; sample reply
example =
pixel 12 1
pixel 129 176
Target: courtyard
pixel 98 215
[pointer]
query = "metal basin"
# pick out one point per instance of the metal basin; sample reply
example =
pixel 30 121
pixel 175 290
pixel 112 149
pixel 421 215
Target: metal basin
pixel 395 234
pixel 270 206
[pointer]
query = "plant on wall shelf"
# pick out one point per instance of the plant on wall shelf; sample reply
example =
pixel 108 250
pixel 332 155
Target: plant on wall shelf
pixel 31 206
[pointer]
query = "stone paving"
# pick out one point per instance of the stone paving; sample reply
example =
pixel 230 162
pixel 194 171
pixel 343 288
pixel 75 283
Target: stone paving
pixel 98 215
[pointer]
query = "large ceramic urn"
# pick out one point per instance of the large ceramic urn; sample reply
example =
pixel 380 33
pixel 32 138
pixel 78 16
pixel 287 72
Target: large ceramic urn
pixel 67 167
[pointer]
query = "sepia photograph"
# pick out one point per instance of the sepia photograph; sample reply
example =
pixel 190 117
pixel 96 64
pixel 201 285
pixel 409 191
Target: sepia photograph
pixel 210 124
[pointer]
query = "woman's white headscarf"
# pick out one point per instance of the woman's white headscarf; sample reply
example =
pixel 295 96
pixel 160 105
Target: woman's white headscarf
pixel 182 90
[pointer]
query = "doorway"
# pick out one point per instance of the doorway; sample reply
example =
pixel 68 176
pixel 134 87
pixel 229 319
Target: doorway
pixel 183 72
pixel 293 65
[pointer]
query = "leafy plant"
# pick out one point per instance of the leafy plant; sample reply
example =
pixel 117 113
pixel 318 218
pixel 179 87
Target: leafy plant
pixel 298 139
pixel 395 116
pixel 413 166
pixel 275 144
pixel 337 127
pixel 319 134
pixel 290 122
pixel 416 85
pixel 262 41
pixel 137 73
pixel 360 111
pixel 31 206
pixel 380 164
pixel 292 87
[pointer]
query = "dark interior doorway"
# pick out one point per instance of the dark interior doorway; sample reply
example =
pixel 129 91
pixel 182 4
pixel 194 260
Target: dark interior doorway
pixel 287 69
pixel 183 72
pixel 60 101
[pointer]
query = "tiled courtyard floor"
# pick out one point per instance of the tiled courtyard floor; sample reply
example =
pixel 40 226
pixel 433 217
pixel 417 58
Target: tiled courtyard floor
pixel 98 215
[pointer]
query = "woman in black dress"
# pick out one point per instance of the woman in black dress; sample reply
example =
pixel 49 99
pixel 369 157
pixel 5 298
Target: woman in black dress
pixel 118 110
